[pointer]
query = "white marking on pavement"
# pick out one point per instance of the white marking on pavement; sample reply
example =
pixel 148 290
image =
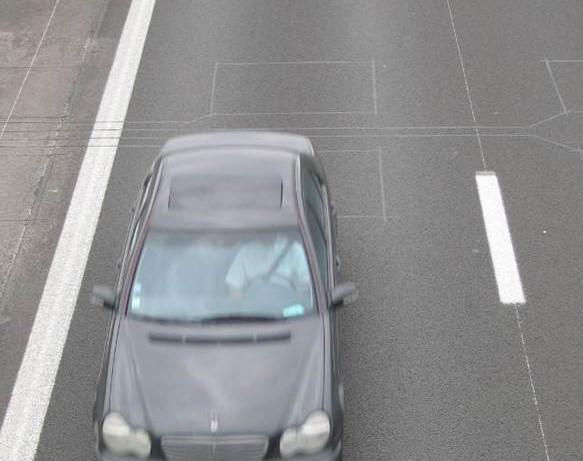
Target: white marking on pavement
pixel 459 53
pixel 24 418
pixel 498 233
pixel 534 398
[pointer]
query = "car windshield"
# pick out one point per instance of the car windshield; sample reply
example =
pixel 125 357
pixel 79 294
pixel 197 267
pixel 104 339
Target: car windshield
pixel 186 277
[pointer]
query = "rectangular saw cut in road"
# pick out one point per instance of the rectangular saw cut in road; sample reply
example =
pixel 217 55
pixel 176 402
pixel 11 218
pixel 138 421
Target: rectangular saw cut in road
pixel 499 240
pixel 293 87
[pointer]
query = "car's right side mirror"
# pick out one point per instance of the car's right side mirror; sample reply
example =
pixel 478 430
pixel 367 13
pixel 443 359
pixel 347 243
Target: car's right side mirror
pixel 344 294
pixel 103 296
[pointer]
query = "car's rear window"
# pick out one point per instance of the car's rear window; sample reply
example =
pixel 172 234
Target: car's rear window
pixel 220 192
pixel 183 276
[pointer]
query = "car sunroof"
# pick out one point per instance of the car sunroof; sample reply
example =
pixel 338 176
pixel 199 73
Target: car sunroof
pixel 216 192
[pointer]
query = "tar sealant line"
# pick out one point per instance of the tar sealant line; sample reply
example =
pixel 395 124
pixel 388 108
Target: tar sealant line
pixel 467 85
pixel 561 60
pixel 213 86
pixel 29 68
pixel 532 388
pixel 268 63
pixel 382 184
pixel 499 239
pixel 556 86
pixel 373 71
pixel 31 394
pixel 548 119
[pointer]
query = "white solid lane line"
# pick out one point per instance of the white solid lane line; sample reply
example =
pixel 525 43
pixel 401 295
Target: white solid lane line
pixel 24 418
pixel 501 249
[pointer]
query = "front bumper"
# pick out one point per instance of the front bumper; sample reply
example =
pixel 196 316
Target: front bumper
pixel 331 454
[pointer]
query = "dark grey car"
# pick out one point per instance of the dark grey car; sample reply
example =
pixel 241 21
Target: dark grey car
pixel 223 343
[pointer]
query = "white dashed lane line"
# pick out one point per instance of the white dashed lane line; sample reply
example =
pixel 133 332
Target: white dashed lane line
pixel 24 417
pixel 499 239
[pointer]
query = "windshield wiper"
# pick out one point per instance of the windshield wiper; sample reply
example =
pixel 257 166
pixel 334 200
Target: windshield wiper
pixel 240 318
pixel 154 319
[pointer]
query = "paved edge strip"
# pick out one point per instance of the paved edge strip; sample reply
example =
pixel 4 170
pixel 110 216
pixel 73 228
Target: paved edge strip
pixel 501 249
pixel 29 401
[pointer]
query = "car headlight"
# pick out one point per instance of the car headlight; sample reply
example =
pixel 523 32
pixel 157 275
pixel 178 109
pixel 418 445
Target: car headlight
pixel 121 439
pixel 309 438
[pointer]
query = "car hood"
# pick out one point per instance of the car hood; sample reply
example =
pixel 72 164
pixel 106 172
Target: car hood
pixel 253 378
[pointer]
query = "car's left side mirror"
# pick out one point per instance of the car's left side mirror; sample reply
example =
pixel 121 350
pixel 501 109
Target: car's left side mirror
pixel 344 294
pixel 103 296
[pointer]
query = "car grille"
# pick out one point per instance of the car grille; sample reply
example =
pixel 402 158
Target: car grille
pixel 214 448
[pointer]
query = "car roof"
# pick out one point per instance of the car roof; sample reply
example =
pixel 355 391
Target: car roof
pixel 204 186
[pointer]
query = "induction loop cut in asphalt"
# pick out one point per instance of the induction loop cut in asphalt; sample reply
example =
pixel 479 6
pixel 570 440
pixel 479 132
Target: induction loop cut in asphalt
pixel 548 119
pixel 156 145
pixel 289 87
pixel 22 138
pixel 562 60
pixel 550 71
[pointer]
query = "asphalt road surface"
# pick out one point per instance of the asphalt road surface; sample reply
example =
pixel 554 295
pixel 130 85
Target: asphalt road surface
pixel 405 101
